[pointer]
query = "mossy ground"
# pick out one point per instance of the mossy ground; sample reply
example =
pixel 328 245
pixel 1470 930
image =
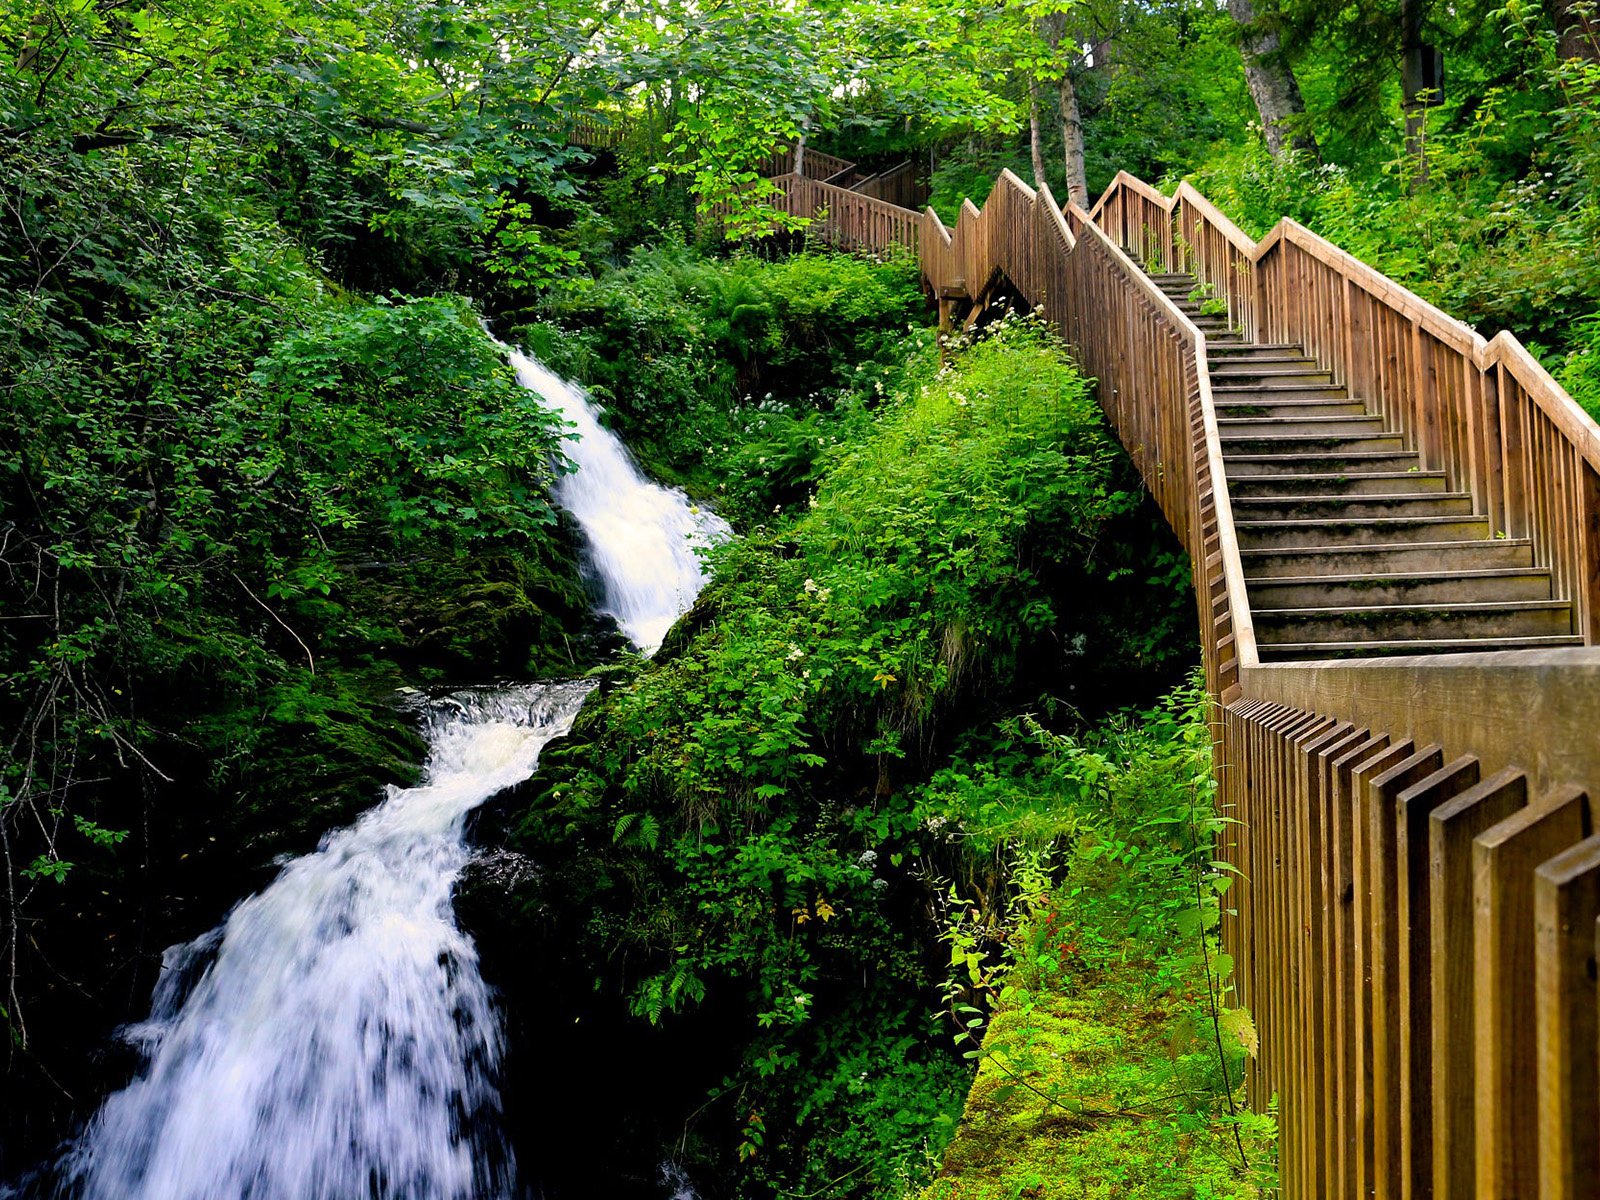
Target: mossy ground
pixel 1111 1047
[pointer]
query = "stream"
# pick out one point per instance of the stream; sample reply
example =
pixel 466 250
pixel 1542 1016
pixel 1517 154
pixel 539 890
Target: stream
pixel 333 1038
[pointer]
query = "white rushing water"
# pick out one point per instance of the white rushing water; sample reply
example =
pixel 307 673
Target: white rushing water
pixel 337 1040
pixel 643 538
pixel 333 1039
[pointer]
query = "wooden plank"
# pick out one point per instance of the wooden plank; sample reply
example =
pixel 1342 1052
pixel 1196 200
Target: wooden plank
pixel 1373 758
pixel 1377 940
pixel 1415 1063
pixel 1566 905
pixel 1451 830
pixel 1504 859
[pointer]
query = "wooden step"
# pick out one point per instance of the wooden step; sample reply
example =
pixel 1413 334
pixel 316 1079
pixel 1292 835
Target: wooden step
pixel 1267 350
pixel 1361 531
pixel 1361 591
pixel 1414 622
pixel 1272 407
pixel 1361 462
pixel 1290 373
pixel 1299 445
pixel 1417 558
pixel 1285 391
pixel 1275 427
pixel 1377 483
pixel 1306 651
pixel 1335 508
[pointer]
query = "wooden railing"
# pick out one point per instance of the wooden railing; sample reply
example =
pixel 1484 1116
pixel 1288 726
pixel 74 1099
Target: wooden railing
pixel 898 185
pixel 1414 924
pixel 816 165
pixel 847 218
pixel 596 129
pixel 1483 412
pixel 1415 928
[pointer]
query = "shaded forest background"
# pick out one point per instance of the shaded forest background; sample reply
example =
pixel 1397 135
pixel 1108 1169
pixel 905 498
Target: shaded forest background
pixel 261 465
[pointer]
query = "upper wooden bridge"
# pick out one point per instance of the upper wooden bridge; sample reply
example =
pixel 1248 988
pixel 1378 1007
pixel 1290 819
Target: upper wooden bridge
pixel 1395 532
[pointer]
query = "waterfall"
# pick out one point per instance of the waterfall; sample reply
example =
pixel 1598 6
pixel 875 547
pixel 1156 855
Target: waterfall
pixel 643 538
pixel 333 1039
pixel 339 1040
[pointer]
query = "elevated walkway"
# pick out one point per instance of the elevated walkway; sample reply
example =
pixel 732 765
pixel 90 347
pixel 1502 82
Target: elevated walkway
pixel 1395 532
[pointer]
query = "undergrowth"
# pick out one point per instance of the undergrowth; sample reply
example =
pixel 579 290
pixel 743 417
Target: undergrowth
pixel 1094 995
pixel 746 826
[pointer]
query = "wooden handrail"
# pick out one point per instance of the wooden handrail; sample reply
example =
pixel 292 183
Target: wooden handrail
pixel 1486 413
pixel 1150 363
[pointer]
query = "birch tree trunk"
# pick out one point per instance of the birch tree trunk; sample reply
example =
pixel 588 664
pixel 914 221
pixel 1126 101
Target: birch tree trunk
pixel 1072 142
pixel 1272 82
pixel 1035 143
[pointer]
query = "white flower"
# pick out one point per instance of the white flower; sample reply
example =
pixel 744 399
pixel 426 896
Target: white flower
pixel 795 653
pixel 810 585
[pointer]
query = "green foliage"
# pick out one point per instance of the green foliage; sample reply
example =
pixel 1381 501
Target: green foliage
pixel 742 822
pixel 349 412
pixel 1501 234
pixel 1092 992
pixel 1580 372
pixel 735 374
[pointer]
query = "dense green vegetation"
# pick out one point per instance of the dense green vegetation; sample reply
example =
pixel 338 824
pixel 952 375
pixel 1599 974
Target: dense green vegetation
pixel 759 822
pixel 1111 1062
pixel 1487 203
pixel 732 376
pixel 263 466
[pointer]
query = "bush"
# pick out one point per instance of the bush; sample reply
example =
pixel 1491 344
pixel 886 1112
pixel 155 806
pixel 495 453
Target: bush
pixel 683 350
pixel 739 826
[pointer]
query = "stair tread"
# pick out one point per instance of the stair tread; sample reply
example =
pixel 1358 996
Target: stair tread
pixel 1420 646
pixel 1234 389
pixel 1279 422
pixel 1269 346
pixel 1446 608
pixel 1366 498
pixel 1257 480
pixel 1376 521
pixel 1399 577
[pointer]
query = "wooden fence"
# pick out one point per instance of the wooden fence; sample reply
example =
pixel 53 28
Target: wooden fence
pixel 1484 412
pixel 1416 921
pixel 898 185
pixel 823 168
pixel 847 218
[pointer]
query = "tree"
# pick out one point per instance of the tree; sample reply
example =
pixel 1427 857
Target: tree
pixel 1577 28
pixel 1273 86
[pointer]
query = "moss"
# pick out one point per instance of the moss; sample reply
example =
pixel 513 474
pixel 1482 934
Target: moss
pixel 1106 1051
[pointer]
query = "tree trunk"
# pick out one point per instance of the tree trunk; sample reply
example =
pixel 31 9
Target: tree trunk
pixel 1413 82
pixel 800 147
pixel 1577 25
pixel 1272 83
pixel 1053 29
pixel 1035 144
pixel 1072 142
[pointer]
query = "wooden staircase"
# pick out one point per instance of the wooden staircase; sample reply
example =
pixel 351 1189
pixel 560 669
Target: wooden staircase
pixel 1410 826
pixel 1349 546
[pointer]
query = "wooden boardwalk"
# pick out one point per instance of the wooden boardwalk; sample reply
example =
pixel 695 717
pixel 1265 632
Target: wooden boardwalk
pixel 1395 532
